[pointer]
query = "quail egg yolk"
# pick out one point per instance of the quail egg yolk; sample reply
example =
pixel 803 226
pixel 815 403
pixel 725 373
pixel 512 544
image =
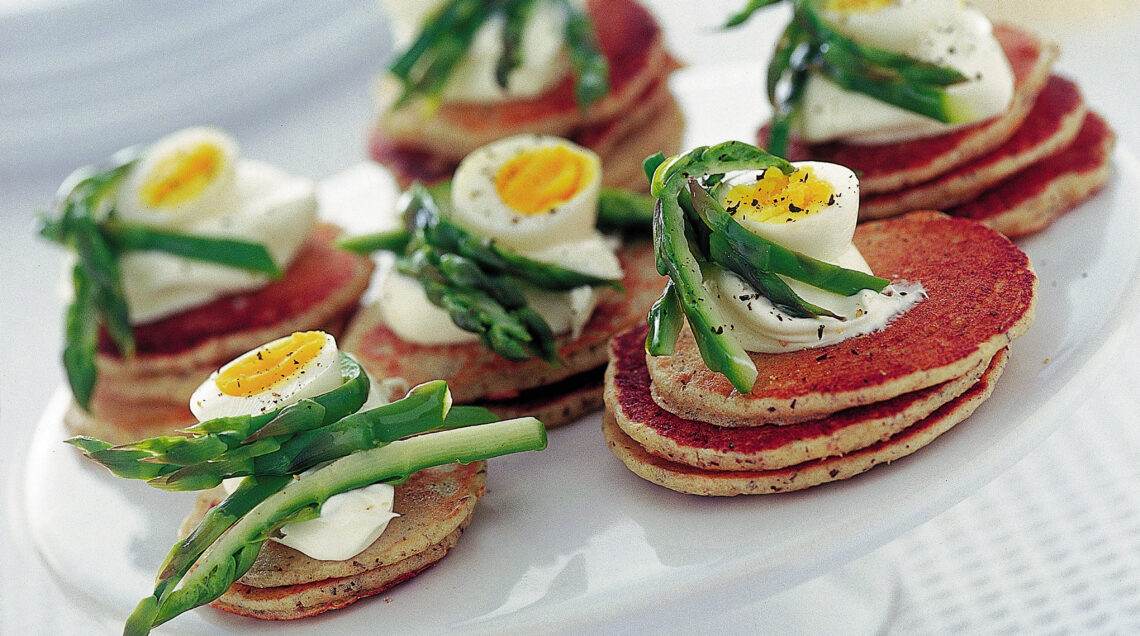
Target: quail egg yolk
pixel 779 198
pixel 855 6
pixel 182 176
pixel 268 366
pixel 539 180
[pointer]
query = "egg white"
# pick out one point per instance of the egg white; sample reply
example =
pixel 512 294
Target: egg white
pixel 214 197
pixel 316 377
pixel 477 206
pixel 824 235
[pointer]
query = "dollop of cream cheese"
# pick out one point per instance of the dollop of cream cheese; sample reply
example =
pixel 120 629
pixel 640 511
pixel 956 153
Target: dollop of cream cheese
pixel 544 60
pixel 349 521
pixel 258 203
pixel 824 233
pixel 942 32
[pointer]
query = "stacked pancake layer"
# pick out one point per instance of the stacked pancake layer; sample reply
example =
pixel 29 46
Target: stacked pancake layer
pixel 637 118
pixel 554 394
pixel 1016 173
pixel 148 394
pixel 435 505
pixel 829 413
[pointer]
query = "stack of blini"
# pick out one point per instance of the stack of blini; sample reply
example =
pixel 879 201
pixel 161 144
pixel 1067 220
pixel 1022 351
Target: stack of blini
pixel 1017 172
pixel 823 414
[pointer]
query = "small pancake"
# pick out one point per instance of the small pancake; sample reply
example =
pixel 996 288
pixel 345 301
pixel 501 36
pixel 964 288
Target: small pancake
pixel 889 167
pixel 476 373
pixel 1035 197
pixel 552 404
pixel 639 66
pixel 1053 123
pixel 981 292
pixel 769 447
pixel 435 505
pixel 698 481
pixel 148 394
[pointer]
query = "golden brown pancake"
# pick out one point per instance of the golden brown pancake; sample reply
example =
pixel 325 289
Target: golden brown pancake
pixel 476 374
pixel 1033 198
pixel 699 481
pixel 149 394
pixel 765 447
pixel 981 292
pixel 889 167
pixel 1052 124
pixel 427 148
pixel 435 505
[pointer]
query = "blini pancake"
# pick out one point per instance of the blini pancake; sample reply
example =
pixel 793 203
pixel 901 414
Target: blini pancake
pixel 1053 123
pixel 477 374
pixel 767 447
pixel 980 295
pixel 698 481
pixel 434 505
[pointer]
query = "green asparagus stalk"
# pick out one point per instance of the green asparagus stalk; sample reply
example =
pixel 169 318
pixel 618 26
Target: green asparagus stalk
pixel 513 29
pixel 666 317
pixel 620 210
pixel 234 534
pixel 591 68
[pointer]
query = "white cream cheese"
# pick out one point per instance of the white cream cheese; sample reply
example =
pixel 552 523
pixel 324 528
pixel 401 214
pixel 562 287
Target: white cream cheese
pixel 954 36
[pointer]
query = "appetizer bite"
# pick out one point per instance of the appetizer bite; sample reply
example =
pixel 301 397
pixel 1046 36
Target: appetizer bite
pixel 504 286
pixel 777 358
pixel 469 72
pixel 934 108
pixel 318 490
pixel 185 256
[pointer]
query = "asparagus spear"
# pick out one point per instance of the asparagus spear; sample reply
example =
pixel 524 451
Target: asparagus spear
pixel 232 553
pixel 474 279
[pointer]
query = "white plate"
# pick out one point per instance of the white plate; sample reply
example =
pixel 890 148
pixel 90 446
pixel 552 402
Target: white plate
pixel 569 539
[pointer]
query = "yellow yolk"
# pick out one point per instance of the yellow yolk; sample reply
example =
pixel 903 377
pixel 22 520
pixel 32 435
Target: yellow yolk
pixel 263 368
pixel 855 6
pixel 182 176
pixel 779 198
pixel 539 180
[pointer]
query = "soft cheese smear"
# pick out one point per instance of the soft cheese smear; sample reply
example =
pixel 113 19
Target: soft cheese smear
pixel 536 196
pixel 813 211
pixel 943 32
pixel 280 373
pixel 193 182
